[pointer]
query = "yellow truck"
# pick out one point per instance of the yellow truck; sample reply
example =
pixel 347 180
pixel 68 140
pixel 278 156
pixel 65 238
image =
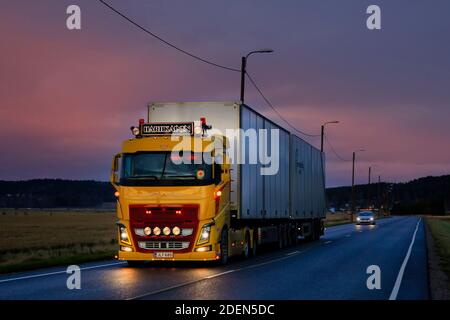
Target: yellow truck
pixel 208 180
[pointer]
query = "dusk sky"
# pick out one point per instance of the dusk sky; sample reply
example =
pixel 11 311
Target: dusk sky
pixel 68 97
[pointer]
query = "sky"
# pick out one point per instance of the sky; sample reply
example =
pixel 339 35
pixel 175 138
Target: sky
pixel 68 97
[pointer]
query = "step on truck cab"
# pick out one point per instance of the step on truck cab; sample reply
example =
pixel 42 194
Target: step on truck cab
pixel 205 181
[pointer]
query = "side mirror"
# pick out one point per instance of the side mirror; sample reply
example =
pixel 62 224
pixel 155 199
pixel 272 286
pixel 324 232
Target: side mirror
pixel 115 169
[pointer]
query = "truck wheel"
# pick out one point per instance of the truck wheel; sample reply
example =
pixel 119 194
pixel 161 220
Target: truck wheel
pixel 317 231
pixel 311 236
pixel 135 263
pixel 224 247
pixel 280 237
pixel 246 251
pixel 285 235
pixel 255 243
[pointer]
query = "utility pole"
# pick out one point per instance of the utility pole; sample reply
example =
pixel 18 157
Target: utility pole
pixel 378 196
pixel 353 187
pixel 322 133
pixel 368 188
pixel 353 182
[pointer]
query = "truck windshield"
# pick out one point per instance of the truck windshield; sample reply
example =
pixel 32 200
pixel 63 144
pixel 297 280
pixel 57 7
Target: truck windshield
pixel 159 168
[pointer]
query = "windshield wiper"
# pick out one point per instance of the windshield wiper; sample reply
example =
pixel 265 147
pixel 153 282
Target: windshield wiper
pixel 141 177
pixel 182 176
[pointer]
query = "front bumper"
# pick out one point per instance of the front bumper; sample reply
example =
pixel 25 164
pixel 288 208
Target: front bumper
pixel 188 256
pixel 365 222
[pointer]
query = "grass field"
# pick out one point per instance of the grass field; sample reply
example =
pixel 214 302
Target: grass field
pixel 440 230
pixel 34 238
pixel 334 219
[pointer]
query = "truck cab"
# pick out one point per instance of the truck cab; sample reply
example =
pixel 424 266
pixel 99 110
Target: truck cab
pixel 173 194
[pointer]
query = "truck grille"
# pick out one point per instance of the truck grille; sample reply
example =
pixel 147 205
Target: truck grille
pixel 167 245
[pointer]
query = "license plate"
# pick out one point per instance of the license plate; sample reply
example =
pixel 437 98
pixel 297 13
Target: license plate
pixel 163 254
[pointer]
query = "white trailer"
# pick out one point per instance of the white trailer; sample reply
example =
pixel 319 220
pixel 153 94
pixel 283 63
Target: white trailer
pixel 280 206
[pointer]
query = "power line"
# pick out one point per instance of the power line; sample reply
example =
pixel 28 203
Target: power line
pixel 333 150
pixel 165 41
pixel 203 60
pixel 276 111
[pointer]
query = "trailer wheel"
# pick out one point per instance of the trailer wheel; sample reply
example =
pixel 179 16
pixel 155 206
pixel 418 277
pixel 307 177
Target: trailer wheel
pixel 280 237
pixel 312 233
pixel 224 247
pixel 295 234
pixel 246 251
pixel 285 235
pixel 255 243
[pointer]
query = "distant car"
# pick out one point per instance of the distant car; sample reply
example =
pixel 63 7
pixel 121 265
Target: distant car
pixel 365 217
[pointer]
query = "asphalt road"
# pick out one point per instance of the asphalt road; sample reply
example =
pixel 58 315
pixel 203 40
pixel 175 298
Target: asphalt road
pixel 333 268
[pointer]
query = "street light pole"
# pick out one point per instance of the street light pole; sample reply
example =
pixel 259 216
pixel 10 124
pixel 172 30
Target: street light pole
pixel 244 69
pixel 353 187
pixel 353 182
pixel 322 133
pixel 243 72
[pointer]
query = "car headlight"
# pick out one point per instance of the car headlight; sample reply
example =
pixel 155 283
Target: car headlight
pixel 123 234
pixel 358 219
pixel 204 233
pixel 371 218
pixel 176 231
pixel 166 231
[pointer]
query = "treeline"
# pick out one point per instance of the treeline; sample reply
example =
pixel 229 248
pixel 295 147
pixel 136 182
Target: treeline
pixel 55 193
pixel 428 195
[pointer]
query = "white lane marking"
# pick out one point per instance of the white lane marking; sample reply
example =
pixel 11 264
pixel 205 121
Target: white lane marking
pixel 327 242
pixel 293 254
pixel 59 272
pixel 398 281
pixel 221 274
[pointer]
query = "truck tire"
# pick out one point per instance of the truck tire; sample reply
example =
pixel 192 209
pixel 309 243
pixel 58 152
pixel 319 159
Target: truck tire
pixel 246 248
pixel 312 236
pixel 224 247
pixel 255 243
pixel 280 237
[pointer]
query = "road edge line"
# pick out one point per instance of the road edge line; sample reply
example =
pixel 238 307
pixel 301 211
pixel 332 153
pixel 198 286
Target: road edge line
pixel 399 279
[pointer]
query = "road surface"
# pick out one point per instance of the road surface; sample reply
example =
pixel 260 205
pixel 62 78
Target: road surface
pixel 333 268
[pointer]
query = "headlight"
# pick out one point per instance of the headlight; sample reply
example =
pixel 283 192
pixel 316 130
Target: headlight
pixel 187 231
pixel 358 219
pixel 198 130
pixel 156 231
pixel 166 231
pixel 176 231
pixel 204 234
pixel 135 131
pixel 147 231
pixel 124 234
pixel 371 218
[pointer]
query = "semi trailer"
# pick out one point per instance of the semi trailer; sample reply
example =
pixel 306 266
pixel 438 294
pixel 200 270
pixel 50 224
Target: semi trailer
pixel 209 180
